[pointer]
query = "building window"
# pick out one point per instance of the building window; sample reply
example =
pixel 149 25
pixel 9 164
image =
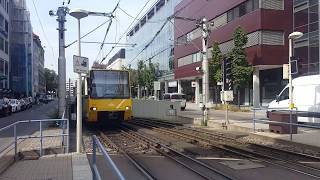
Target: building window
pixel 1 43
pixel 131 33
pixel 242 10
pixel 143 21
pixel 1 21
pixel 6 69
pixel 314 14
pixel 301 18
pixel 136 28
pixel 6 26
pixel 230 15
pixel 150 13
pixel 2 67
pixel 159 5
pixel 6 47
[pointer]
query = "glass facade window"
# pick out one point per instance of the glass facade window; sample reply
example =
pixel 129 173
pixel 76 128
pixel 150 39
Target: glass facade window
pixel 6 26
pixel 1 43
pixel 143 21
pixel 2 67
pixel 153 44
pixel 151 13
pixel 160 4
pixel 6 47
pixel 306 20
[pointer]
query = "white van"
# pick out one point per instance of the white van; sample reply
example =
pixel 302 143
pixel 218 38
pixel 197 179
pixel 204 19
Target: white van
pixel 306 98
pixel 176 97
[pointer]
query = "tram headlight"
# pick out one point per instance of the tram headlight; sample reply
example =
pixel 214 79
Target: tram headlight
pixel 127 107
pixel 93 108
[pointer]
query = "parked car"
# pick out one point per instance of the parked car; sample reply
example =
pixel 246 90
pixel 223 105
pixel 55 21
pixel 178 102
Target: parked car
pixel 15 104
pixel 28 102
pixel 5 108
pixel 306 90
pixel 176 97
pixel 23 104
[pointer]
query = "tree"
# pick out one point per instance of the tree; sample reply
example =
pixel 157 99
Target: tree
pixel 215 68
pixel 215 64
pixel 51 79
pixel 241 71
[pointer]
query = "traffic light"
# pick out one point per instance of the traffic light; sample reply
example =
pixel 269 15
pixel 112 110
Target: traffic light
pixel 227 74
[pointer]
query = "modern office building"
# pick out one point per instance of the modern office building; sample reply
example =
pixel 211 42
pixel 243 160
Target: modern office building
pixel 154 39
pixel 4 44
pixel 306 20
pixel 21 42
pixel 267 23
pixel 38 67
pixel 117 61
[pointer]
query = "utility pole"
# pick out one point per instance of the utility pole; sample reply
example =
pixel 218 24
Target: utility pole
pixel 61 13
pixel 205 69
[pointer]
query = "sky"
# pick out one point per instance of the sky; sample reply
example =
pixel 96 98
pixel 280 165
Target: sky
pixel 49 34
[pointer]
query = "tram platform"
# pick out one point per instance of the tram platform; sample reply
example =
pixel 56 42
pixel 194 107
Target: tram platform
pixel 70 166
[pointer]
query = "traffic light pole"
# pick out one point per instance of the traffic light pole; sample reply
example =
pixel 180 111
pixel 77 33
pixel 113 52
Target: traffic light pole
pixel 205 69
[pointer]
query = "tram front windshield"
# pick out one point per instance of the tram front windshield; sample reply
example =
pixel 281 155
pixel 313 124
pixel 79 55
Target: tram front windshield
pixel 109 84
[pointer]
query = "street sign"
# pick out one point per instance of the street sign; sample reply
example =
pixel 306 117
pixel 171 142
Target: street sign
pixel 226 96
pixel 156 85
pixel 80 64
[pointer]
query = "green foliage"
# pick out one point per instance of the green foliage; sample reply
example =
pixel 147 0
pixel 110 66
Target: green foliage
pixel 241 70
pixel 215 64
pixel 141 73
pixel 146 74
pixel 133 74
pixel 51 79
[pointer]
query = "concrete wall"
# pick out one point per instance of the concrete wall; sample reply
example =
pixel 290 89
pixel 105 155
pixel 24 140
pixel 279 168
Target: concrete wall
pixel 156 109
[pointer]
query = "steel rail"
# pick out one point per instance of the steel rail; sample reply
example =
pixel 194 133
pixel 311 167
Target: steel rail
pixel 142 169
pixel 157 146
pixel 244 152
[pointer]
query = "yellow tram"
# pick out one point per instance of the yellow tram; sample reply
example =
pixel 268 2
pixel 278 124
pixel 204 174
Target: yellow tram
pixel 109 99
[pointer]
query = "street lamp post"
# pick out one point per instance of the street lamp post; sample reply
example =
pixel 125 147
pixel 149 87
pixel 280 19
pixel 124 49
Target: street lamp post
pixel 79 14
pixel 292 36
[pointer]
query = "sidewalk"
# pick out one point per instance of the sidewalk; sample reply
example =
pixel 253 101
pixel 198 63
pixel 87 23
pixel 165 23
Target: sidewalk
pixel 242 122
pixel 62 167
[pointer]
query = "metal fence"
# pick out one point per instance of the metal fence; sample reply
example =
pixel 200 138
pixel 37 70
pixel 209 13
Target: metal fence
pixel 64 125
pixel 97 144
pixel 290 123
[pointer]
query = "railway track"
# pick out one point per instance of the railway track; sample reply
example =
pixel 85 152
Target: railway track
pixel 203 170
pixel 129 142
pixel 120 143
pixel 281 158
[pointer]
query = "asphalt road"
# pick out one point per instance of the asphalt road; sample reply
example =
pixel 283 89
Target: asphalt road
pixel 41 111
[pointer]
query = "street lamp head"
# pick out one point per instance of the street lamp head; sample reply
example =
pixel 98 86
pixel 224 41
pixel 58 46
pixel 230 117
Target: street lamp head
pixel 295 35
pixel 78 13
